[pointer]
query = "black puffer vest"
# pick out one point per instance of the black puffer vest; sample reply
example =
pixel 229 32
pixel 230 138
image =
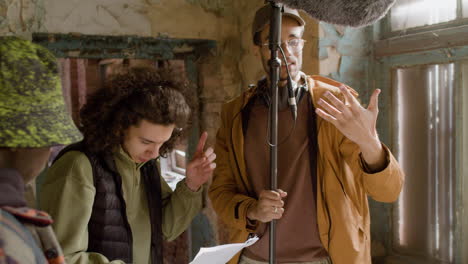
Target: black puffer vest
pixel 108 228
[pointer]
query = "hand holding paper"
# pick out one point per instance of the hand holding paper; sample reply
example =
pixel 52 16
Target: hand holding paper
pixel 221 254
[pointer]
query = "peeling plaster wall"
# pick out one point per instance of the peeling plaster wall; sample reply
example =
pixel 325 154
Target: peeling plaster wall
pixel 21 17
pixel 345 54
pixel 98 17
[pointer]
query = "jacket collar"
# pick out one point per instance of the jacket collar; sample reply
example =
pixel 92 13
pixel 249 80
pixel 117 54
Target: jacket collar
pixel 126 160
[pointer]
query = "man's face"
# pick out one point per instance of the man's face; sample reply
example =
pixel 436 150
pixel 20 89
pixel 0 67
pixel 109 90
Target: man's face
pixel 28 161
pixel 143 141
pixel 290 30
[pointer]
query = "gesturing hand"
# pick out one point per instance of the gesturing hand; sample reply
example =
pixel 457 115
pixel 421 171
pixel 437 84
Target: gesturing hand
pixel 354 121
pixel 270 206
pixel 200 168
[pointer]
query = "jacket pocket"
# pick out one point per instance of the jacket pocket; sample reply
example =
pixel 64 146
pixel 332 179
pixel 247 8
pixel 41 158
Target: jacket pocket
pixel 348 230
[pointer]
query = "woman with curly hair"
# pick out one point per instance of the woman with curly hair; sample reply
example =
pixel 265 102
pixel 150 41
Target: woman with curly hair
pixel 105 193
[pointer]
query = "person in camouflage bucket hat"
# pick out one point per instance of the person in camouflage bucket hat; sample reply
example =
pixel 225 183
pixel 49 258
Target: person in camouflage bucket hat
pixel 33 118
pixel 32 109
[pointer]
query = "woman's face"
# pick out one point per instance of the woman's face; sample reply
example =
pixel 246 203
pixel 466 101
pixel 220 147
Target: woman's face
pixel 143 141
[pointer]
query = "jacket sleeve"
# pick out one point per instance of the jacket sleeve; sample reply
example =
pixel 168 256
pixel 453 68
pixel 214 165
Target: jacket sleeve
pixel 68 195
pixel 17 243
pixel 384 185
pixel 180 207
pixel 229 203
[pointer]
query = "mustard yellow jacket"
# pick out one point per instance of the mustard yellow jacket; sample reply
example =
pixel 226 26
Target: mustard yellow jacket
pixel 343 185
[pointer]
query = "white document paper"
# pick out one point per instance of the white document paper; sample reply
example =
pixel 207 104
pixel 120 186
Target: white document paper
pixel 221 254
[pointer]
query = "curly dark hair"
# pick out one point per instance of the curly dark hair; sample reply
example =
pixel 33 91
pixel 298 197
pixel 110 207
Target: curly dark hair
pixel 130 96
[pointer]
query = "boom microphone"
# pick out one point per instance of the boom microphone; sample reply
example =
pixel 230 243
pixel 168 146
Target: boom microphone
pixel 354 13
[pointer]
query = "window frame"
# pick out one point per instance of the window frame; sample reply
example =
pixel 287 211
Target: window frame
pixel 174 166
pixel 384 67
pixel 446 42
pixel 388 33
pixel 443 35
pixel 462 236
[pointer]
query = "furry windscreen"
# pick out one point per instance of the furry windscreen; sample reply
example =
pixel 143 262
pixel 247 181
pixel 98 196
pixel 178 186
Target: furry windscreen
pixel 355 13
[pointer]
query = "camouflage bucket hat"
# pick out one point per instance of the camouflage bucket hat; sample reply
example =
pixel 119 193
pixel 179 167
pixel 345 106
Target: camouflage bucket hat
pixel 32 107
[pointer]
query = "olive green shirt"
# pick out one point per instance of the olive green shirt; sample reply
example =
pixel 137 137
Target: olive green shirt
pixel 68 195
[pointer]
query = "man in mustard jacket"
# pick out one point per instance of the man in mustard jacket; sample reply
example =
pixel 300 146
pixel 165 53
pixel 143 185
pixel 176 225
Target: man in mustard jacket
pixel 329 160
